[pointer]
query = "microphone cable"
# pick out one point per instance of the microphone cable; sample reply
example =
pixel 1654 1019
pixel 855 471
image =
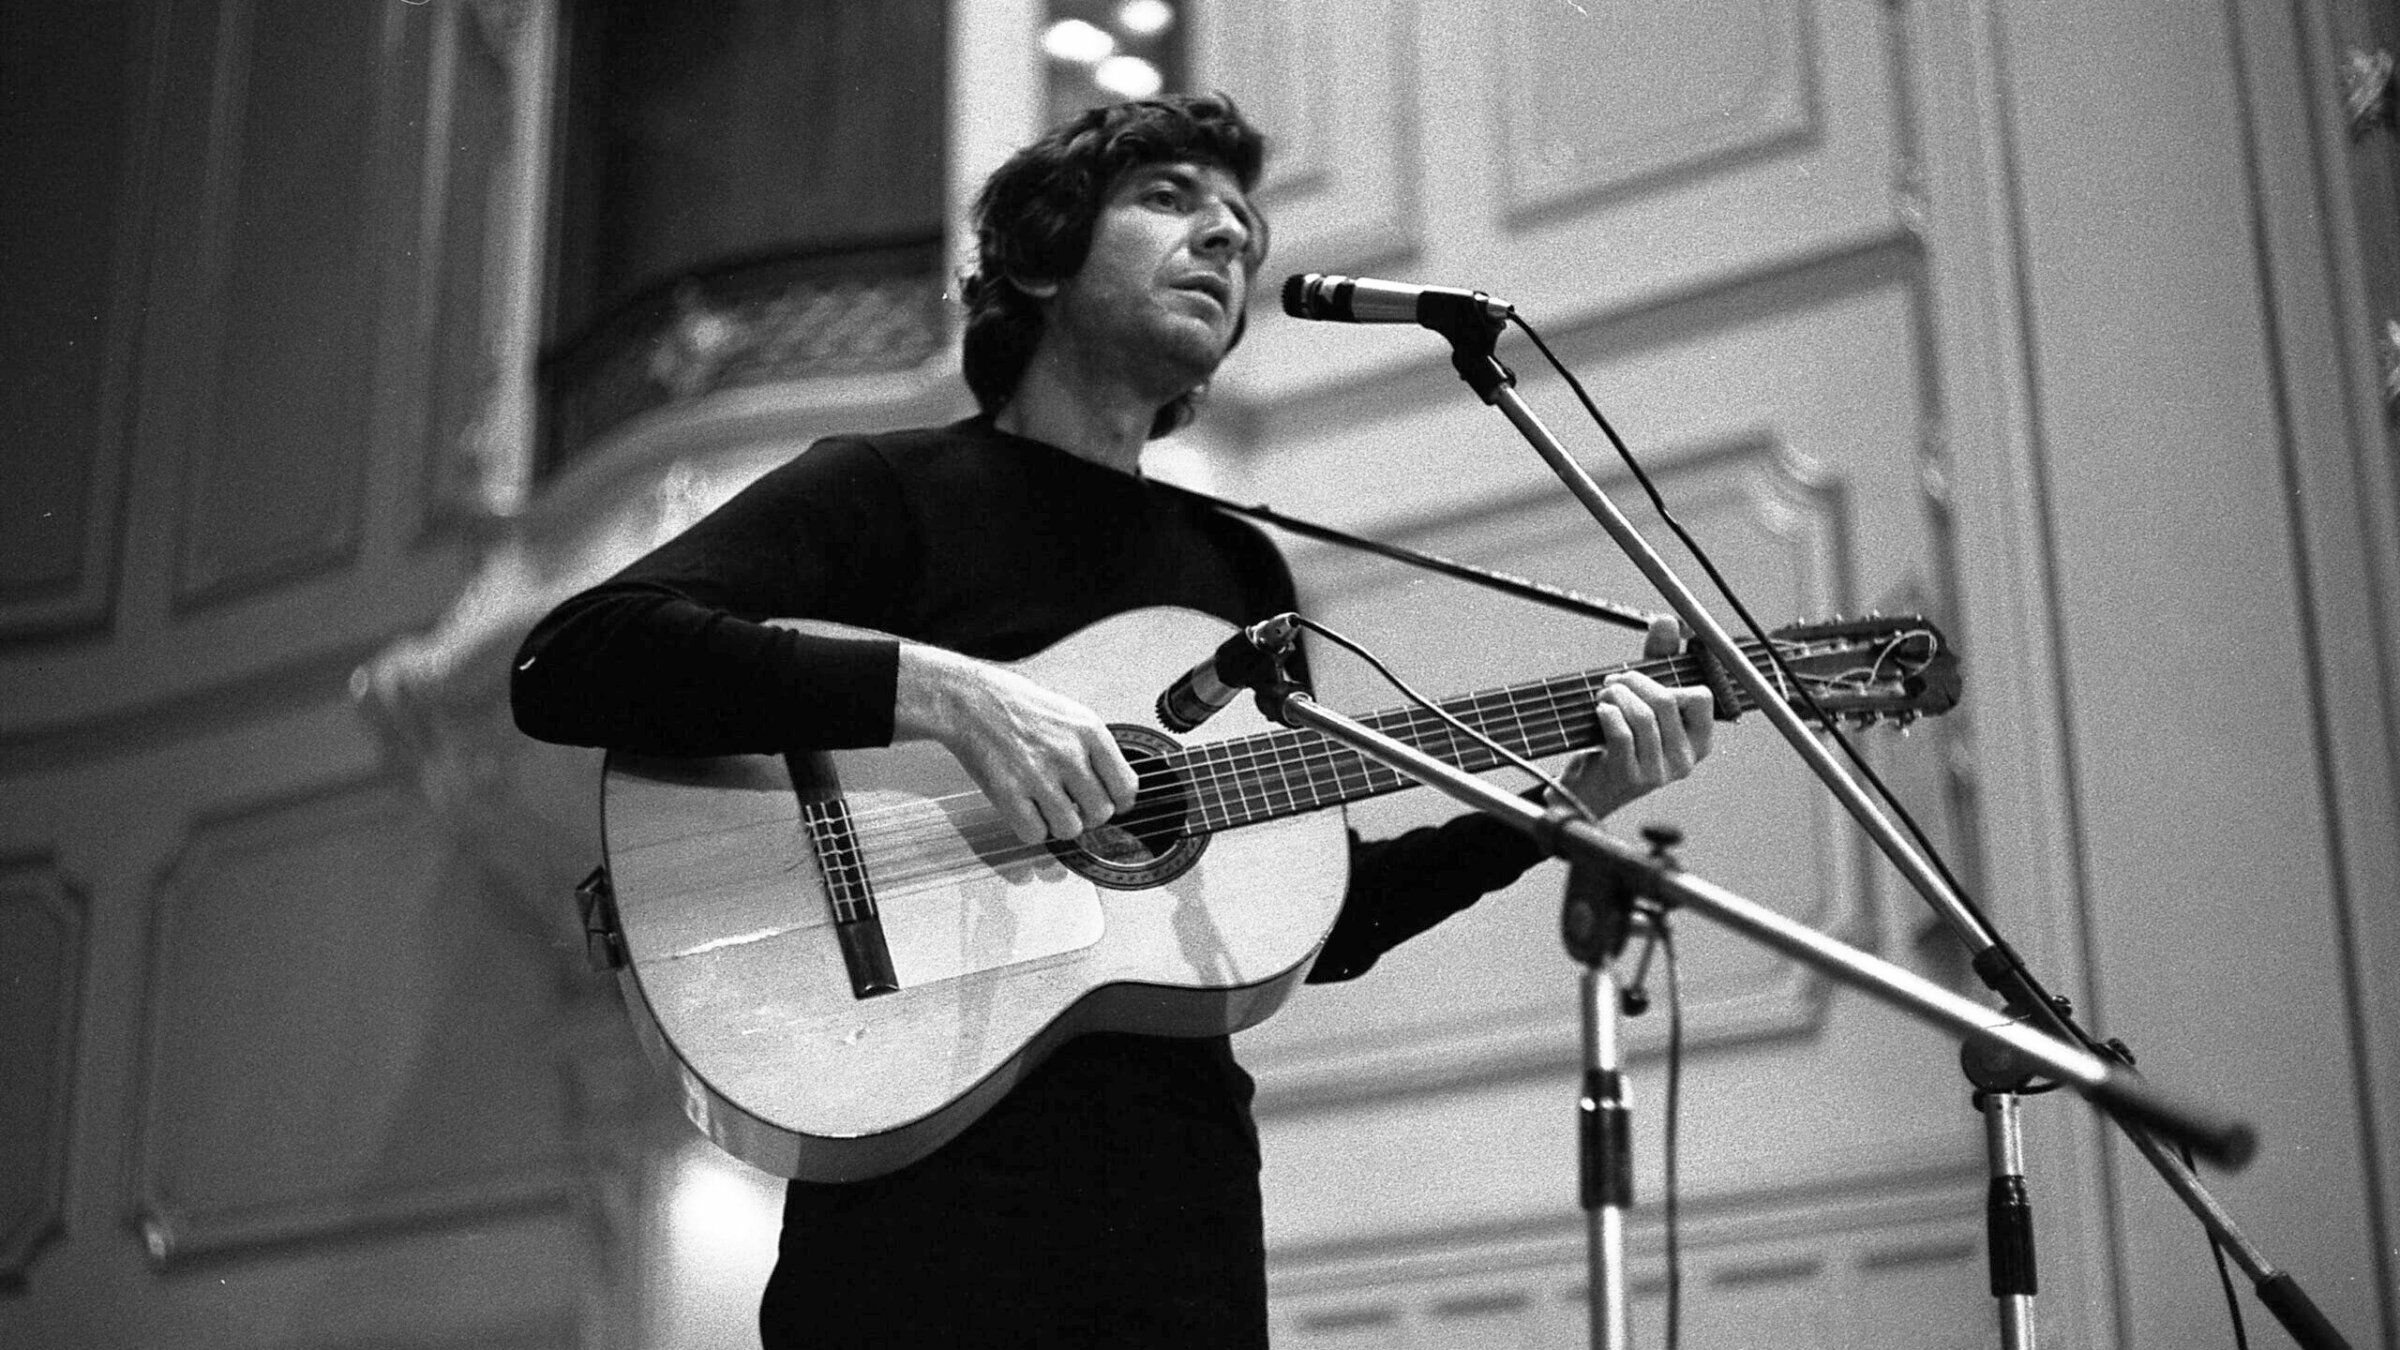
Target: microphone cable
pixel 1674 1135
pixel 1634 999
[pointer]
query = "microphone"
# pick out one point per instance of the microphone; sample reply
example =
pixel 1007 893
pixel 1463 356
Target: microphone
pixel 1201 692
pixel 1340 299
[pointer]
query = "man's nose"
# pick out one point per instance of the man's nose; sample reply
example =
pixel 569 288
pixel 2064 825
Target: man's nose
pixel 1222 233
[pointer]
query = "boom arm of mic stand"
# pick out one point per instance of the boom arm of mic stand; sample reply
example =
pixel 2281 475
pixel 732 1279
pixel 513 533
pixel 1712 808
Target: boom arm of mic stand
pixel 2121 1093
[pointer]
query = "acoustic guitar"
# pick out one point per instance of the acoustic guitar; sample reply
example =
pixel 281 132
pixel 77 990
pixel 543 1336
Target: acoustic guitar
pixel 843 958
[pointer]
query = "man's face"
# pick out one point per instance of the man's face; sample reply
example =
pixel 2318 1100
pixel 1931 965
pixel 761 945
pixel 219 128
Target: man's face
pixel 1174 252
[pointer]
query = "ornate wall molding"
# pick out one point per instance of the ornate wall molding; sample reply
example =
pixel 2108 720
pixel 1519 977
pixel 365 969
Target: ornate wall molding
pixel 1757 494
pixel 869 310
pixel 1342 187
pixel 1591 112
pixel 463 321
pixel 43 952
pixel 1902 1244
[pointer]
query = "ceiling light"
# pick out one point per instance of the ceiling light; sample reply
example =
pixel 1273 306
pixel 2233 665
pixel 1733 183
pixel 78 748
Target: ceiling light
pixel 1128 77
pixel 1074 40
pixel 1145 18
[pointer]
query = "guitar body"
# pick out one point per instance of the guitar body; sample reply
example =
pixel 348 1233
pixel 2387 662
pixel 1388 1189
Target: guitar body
pixel 792 1052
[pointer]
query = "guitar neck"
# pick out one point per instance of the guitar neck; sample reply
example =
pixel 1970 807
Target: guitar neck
pixel 1281 773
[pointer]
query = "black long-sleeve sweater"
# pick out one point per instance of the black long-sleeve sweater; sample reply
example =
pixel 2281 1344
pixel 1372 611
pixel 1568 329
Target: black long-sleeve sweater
pixel 997 547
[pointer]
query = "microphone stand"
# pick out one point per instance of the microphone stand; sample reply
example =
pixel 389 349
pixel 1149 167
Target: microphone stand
pixel 1608 877
pixel 1473 331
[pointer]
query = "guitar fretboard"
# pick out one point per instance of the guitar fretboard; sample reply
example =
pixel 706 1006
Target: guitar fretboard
pixel 1283 773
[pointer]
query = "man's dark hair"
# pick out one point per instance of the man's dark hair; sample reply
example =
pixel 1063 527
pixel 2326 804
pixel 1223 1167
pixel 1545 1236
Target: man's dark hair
pixel 1035 216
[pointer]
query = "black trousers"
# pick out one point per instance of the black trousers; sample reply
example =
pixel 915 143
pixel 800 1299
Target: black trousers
pixel 1112 1199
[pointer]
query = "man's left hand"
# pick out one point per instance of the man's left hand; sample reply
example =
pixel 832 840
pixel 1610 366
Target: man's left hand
pixel 1651 735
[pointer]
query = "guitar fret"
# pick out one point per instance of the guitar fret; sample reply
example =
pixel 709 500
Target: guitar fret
pixel 1284 772
pixel 1283 783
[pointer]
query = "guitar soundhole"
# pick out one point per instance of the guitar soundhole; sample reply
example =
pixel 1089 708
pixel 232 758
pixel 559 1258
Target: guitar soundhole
pixel 1152 843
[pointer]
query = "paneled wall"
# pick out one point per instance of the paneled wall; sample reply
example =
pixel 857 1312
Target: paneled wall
pixel 1710 213
pixel 2052 323
pixel 1926 307
pixel 286 1063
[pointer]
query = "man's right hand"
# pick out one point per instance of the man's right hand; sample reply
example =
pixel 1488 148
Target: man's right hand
pixel 1046 762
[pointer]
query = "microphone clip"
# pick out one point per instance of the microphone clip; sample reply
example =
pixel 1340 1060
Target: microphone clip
pixel 1475 355
pixel 1250 659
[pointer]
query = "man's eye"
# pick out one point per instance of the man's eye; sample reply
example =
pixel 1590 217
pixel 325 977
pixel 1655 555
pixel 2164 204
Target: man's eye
pixel 1163 196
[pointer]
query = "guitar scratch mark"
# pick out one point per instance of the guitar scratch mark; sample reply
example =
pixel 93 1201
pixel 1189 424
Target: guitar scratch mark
pixel 736 940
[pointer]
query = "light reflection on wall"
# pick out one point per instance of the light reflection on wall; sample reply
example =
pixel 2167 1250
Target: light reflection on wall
pixel 1104 50
pixel 716 1249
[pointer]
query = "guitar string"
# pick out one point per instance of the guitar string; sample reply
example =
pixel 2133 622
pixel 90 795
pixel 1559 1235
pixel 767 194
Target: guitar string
pixel 1252 769
pixel 1252 792
pixel 1558 725
pixel 1239 799
pixel 1246 779
pixel 1253 796
pixel 1236 763
pixel 1243 777
pixel 1229 769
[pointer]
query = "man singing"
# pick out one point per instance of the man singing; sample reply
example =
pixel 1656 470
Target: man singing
pixel 1112 1196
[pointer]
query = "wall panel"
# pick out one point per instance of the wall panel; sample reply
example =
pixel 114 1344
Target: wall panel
pixel 43 921
pixel 1500 1007
pixel 288 350
pixel 1342 169
pixel 70 93
pixel 1898 1263
pixel 1580 160
pixel 1633 97
pixel 338 1037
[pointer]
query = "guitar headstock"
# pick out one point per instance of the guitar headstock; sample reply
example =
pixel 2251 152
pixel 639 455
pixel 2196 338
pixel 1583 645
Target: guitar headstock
pixel 1876 669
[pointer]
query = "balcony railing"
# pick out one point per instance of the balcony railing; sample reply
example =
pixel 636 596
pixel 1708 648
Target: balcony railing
pixel 853 309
